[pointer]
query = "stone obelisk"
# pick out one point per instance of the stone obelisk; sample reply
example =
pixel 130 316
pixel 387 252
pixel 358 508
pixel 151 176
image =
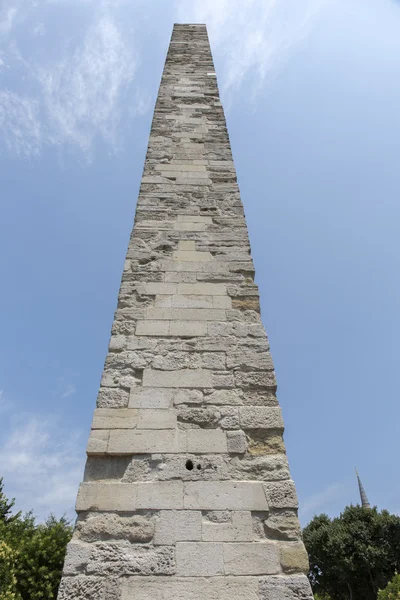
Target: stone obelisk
pixel 187 493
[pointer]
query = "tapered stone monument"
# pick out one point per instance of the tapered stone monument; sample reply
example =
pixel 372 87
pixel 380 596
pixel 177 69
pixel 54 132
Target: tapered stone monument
pixel 187 493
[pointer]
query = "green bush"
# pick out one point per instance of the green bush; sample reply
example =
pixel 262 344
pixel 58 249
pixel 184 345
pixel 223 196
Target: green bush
pixel 31 554
pixel 392 590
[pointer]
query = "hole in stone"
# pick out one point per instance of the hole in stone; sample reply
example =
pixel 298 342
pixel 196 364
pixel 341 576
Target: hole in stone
pixel 189 465
pixel 199 467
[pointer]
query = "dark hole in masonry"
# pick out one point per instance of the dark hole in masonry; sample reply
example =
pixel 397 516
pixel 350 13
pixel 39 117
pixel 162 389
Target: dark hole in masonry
pixel 199 467
pixel 189 465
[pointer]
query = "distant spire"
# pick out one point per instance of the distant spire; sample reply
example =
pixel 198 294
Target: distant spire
pixel 363 495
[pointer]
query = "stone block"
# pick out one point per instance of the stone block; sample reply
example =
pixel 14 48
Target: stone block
pixel 191 255
pixel 115 418
pixel 199 559
pixel 261 417
pixel 184 378
pixel 101 527
pixel 122 559
pixel 240 529
pixel 144 398
pixel 188 301
pixel 125 497
pixel 185 314
pixel 188 397
pixel 188 328
pixel 194 219
pixel 156 419
pixel 98 441
pixel 294 557
pixel 296 587
pixel 158 328
pixel 125 441
pixel 76 558
pixel 281 494
pixel 187 588
pixel 224 495
pixel 88 588
pixel 189 226
pixel 177 525
pixel 161 495
pixel 112 398
pixel 256 558
pixel 202 289
pixel 153 289
pixel 187 245
pixel 224 397
pixel 204 441
pixel 237 442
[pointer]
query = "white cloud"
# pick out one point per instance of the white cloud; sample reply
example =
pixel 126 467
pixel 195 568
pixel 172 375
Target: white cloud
pixel 42 465
pixel 70 390
pixel 72 96
pixel 251 36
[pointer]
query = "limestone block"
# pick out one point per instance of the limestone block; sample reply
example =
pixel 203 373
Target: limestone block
pixel 194 266
pixel 206 441
pixel 107 526
pixel 177 525
pixel 98 441
pixel 239 530
pixel 224 397
pixel 188 588
pixel 187 245
pixel 295 587
pixel 222 379
pixel 150 398
pixel 125 441
pixel 281 494
pixel 294 558
pixel 122 559
pixel 260 417
pixel 194 219
pixel 283 525
pixel 88 588
pixel 184 378
pixel 224 495
pixel 189 226
pixel 261 468
pixel 157 419
pixel 256 558
pixel 188 397
pixel 191 255
pixel 115 418
pixel 237 442
pixel 156 288
pixel 199 559
pixel 112 398
pixel 117 343
pixel 255 379
pixel 222 302
pixel 188 301
pixel 152 328
pixel 162 495
pixel 77 557
pixel 188 328
pixel 124 497
pixel 202 289
pixel 185 314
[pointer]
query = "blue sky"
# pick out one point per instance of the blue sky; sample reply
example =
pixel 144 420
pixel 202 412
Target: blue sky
pixel 312 94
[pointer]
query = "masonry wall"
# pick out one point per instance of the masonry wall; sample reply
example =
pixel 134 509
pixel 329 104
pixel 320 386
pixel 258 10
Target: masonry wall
pixel 187 493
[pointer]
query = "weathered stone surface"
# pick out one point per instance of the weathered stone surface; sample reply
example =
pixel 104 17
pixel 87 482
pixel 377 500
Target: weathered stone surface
pixel 189 588
pixel 294 558
pixel 295 587
pixel 187 493
pixel 102 527
pixel 178 525
pixel 251 558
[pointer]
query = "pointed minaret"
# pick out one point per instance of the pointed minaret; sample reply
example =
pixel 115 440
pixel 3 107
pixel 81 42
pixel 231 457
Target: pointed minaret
pixel 363 495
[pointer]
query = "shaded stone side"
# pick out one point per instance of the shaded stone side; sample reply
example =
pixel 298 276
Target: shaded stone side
pixel 187 492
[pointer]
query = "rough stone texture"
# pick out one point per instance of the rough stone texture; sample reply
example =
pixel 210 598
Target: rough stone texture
pixel 187 492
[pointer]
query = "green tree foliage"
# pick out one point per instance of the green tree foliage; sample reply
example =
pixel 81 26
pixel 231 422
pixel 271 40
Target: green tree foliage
pixel 392 590
pixel 355 555
pixel 6 506
pixel 33 554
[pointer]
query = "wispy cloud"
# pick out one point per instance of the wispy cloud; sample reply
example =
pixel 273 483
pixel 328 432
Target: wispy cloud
pixel 72 96
pixel 252 37
pixel 41 463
